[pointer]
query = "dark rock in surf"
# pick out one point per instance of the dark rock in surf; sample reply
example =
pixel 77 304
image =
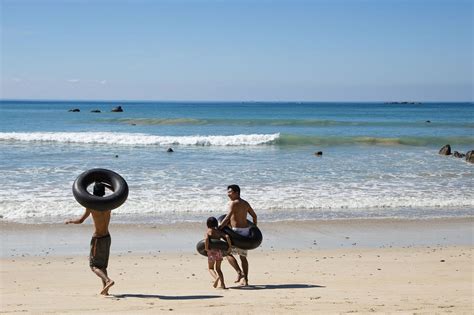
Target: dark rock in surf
pixel 170 150
pixel 470 156
pixel 319 153
pixel 74 110
pixel 117 109
pixel 446 150
pixel 458 155
pixel 95 111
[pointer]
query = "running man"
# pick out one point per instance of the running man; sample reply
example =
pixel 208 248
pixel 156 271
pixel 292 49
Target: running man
pixel 100 242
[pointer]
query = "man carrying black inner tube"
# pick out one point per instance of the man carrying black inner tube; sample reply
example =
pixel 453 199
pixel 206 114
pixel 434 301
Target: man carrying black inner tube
pixel 100 242
pixel 237 217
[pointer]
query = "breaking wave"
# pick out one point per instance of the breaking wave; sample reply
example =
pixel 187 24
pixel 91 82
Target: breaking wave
pixel 116 138
pixel 139 138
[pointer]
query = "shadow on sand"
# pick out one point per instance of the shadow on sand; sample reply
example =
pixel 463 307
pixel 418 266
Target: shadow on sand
pixel 276 286
pixel 164 297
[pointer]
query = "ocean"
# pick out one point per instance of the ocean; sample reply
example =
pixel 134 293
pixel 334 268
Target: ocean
pixel 378 160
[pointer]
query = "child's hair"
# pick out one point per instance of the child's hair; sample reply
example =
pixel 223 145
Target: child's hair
pixel 212 222
pixel 99 189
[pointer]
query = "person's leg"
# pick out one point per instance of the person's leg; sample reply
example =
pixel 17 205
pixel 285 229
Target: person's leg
pixel 99 259
pixel 104 270
pixel 106 281
pixel 101 274
pixel 245 267
pixel 233 262
pixel 219 272
pixel 212 272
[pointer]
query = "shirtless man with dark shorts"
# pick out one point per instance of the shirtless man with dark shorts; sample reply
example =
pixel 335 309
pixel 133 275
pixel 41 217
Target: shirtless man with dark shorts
pixel 237 217
pixel 100 242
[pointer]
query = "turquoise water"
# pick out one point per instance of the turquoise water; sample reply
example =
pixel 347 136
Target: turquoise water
pixel 379 160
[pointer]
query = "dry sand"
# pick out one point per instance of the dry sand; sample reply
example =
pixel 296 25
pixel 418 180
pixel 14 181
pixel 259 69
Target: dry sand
pixel 397 279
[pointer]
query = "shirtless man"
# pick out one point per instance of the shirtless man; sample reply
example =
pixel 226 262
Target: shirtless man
pixel 237 217
pixel 100 242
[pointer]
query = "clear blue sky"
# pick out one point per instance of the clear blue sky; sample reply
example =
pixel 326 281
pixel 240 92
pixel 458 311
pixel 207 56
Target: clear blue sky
pixel 350 50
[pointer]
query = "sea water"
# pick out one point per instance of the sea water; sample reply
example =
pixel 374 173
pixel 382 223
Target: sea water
pixel 379 160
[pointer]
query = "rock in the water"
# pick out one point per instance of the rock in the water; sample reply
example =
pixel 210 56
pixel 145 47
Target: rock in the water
pixel 319 153
pixel 470 156
pixel 95 111
pixel 74 110
pixel 446 150
pixel 117 109
pixel 170 150
pixel 458 155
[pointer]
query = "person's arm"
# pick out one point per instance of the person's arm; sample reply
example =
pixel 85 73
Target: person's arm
pixel 206 243
pixel 108 186
pixel 253 214
pixel 226 220
pixel 81 219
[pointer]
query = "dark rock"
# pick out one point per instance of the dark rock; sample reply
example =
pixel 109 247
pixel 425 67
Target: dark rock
pixel 95 111
pixel 74 110
pixel 404 103
pixel 170 150
pixel 470 156
pixel 319 153
pixel 446 150
pixel 458 155
pixel 117 109
pixel 428 121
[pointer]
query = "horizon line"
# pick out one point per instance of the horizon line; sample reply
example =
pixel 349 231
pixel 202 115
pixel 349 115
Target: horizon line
pixel 225 101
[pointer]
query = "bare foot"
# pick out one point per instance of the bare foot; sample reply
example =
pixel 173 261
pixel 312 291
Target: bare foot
pixel 105 290
pixel 245 282
pixel 222 287
pixel 216 282
pixel 240 275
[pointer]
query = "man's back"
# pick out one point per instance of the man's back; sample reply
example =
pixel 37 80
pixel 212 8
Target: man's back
pixel 101 222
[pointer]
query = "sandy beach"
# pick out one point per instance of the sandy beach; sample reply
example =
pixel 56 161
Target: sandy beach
pixel 302 267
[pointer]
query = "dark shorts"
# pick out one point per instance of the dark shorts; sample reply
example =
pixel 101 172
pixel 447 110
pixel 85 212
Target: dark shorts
pixel 100 250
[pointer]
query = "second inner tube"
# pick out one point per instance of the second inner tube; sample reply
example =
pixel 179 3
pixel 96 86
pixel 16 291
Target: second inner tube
pixel 252 241
pixel 112 201
pixel 214 244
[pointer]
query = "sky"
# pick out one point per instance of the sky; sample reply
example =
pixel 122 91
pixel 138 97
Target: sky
pixel 352 50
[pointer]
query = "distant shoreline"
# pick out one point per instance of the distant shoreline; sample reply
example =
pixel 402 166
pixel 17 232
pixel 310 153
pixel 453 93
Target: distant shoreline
pixel 20 100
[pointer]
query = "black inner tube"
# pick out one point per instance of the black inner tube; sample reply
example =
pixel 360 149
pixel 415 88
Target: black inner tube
pixel 214 244
pixel 252 241
pixel 118 185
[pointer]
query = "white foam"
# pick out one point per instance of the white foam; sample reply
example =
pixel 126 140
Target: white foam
pixel 139 138
pixel 53 203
